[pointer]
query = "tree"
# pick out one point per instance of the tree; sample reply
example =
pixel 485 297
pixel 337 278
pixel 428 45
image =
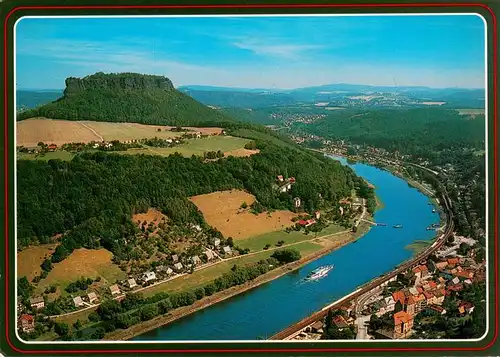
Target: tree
pixel 200 293
pixel 24 288
pixel 61 328
pixel 77 325
pixel 286 255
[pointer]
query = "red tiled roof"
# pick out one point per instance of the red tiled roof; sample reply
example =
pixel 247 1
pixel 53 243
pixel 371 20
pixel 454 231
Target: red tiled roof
pixel 398 296
pixel 401 317
pixel 27 317
pixel 456 287
pixel 428 294
pixel 420 290
pixel 432 284
pixel 453 261
pixel 302 222
pixel 419 298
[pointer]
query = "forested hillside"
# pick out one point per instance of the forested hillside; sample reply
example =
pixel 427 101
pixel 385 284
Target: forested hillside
pixel 92 197
pixel 127 97
pixel 402 129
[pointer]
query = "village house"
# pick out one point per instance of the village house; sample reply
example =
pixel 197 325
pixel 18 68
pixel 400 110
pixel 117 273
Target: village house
pixel 441 265
pixel 160 268
pixel 178 266
pixel 216 242
pixel 430 298
pixel 78 301
pixel 209 254
pixel 317 327
pixel 317 214
pixel 92 297
pixel 454 288
pixel 169 271
pixel 292 180
pixel 175 258
pixel 439 309
pixel 340 321
pixel 26 323
pixel 227 249
pixel 455 281
pixel 196 260
pixel 286 187
pixel 403 323
pixel 297 202
pixel 452 262
pixel 421 272
pixel 420 303
pixel 410 305
pixel 440 295
pixel 131 283
pixel 465 307
pixel 37 302
pixel 52 147
pixel 358 202
pixel 148 276
pixel 114 289
pixel 399 296
pixel 280 178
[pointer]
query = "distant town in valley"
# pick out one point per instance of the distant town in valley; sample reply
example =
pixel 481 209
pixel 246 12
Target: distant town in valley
pixel 356 212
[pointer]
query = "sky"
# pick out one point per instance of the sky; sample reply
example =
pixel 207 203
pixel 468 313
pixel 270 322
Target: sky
pixel 256 52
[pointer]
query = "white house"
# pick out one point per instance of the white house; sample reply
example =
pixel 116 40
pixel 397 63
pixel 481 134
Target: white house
pixel 196 260
pixel 169 271
pixel 216 242
pixel 178 266
pixel 92 297
pixel 175 258
pixel 227 249
pixel 131 283
pixel 78 301
pixel 209 254
pixel 148 276
pixel 114 289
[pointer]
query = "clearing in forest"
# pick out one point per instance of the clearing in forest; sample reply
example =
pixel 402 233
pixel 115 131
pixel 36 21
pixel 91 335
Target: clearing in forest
pixel 30 259
pixel 87 263
pixel 222 210
pixel 151 216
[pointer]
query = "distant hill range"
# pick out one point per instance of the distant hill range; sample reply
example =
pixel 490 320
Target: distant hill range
pixel 124 97
pixel 342 95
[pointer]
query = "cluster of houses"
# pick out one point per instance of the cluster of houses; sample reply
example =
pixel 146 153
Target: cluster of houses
pixel 310 221
pixel 428 293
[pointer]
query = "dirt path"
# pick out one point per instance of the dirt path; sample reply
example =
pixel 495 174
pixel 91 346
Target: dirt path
pixel 226 294
pixel 91 129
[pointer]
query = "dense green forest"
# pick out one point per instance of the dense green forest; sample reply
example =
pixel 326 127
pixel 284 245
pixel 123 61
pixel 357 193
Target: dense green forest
pixel 401 130
pixel 127 97
pixel 92 197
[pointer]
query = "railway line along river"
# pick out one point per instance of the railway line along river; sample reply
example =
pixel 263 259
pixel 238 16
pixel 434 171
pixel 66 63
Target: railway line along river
pixel 271 307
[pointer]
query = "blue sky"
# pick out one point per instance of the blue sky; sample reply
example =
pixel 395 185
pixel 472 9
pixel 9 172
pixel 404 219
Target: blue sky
pixel 270 52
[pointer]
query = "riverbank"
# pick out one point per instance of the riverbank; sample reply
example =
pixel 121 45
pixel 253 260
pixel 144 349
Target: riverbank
pixel 328 244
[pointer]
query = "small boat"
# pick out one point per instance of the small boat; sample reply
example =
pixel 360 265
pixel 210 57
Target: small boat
pixel 434 210
pixel 320 272
pixel 431 228
pixel 398 226
pixel 381 224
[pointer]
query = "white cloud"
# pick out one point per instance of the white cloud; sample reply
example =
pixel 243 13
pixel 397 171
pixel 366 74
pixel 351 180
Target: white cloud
pixel 286 51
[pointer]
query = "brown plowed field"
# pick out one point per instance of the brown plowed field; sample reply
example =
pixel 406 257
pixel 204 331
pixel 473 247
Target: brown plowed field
pixel 222 211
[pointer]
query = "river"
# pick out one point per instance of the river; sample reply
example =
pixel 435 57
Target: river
pixel 271 307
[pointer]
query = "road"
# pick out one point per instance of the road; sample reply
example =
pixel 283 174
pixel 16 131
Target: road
pixel 201 268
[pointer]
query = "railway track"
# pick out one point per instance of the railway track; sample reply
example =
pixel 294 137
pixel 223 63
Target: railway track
pixel 299 326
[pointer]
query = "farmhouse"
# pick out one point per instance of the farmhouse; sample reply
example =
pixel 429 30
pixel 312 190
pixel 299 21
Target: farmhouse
pixel 440 310
pixel 92 297
pixel 169 271
pixel 178 266
pixel 175 258
pixel 114 289
pixel 37 302
pixel 317 214
pixel 78 301
pixel 26 323
pixel 227 249
pixel 465 307
pixel 216 242
pixel 196 260
pixel 131 283
pixel 280 178
pixel 52 147
pixel 148 276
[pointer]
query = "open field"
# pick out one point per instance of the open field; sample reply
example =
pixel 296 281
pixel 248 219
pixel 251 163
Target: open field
pixel 151 216
pixel 470 111
pixel 418 246
pixel 30 259
pixel 242 152
pixel 30 132
pixel 88 263
pixel 226 144
pixel 59 154
pixel 222 211
pixel 258 242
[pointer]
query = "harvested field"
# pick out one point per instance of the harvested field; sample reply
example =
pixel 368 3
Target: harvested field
pixel 30 132
pixel 222 211
pixel 88 263
pixel 30 259
pixel 129 131
pixel 241 152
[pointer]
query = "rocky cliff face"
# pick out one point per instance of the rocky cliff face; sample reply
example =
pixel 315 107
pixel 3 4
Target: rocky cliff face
pixel 120 81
